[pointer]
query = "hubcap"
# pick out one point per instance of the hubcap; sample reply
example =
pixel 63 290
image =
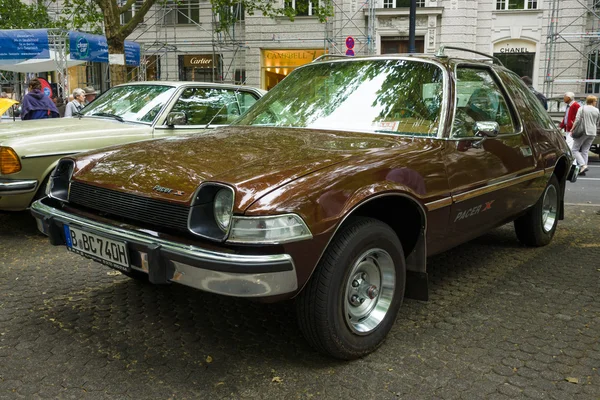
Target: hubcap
pixel 549 208
pixel 369 291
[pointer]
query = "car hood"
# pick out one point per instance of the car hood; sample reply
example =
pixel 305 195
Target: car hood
pixel 254 160
pixel 50 132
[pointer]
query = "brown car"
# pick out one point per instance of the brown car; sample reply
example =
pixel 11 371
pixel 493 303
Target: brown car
pixel 333 189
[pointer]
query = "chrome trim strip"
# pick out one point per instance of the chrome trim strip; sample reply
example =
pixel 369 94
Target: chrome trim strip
pixel 436 205
pixel 66 153
pixel 17 187
pixel 226 283
pixel 497 186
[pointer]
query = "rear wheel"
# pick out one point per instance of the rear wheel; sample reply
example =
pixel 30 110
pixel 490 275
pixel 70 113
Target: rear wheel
pixel 350 303
pixel 537 227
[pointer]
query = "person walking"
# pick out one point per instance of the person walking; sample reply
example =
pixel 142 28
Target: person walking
pixel 36 105
pixel 588 115
pixel 570 113
pixel 529 82
pixel 73 107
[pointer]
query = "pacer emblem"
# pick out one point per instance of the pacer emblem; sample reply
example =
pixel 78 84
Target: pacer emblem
pixel 166 190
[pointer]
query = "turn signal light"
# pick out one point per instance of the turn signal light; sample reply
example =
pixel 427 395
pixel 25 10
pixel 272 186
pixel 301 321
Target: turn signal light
pixel 9 161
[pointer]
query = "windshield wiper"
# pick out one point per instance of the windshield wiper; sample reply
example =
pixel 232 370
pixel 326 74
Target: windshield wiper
pixel 105 114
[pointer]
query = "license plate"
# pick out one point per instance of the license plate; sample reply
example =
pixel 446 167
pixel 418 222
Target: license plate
pixel 107 251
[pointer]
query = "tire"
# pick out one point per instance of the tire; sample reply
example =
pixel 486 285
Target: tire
pixel 537 227
pixel 335 309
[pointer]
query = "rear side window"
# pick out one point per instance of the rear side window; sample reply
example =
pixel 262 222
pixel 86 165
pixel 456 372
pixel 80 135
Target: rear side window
pixel 532 103
pixel 212 105
pixel 479 99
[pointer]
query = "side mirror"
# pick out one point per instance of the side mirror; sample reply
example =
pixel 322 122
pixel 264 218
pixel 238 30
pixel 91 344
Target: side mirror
pixel 176 118
pixel 486 129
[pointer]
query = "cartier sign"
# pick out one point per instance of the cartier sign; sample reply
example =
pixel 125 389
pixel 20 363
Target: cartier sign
pixel 199 61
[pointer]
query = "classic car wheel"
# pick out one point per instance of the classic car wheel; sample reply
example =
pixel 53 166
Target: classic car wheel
pixel 537 226
pixel 351 301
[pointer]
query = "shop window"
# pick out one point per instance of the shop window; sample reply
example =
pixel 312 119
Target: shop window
pixel 520 63
pixel 516 4
pixel 184 12
pixel 304 8
pixel 401 3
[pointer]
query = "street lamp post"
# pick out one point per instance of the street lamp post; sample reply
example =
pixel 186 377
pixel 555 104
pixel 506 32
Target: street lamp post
pixel 412 26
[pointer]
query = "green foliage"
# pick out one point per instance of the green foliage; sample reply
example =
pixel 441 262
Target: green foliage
pixel 17 15
pixel 81 15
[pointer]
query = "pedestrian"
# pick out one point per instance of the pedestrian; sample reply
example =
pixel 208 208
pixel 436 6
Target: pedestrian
pixel 527 80
pixel 588 115
pixel 75 106
pixel 36 105
pixel 90 94
pixel 570 113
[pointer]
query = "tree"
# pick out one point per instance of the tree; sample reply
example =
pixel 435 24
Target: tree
pixel 17 15
pixel 90 13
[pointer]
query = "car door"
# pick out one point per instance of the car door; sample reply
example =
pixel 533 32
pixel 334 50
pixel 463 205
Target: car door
pixel 207 107
pixel 488 177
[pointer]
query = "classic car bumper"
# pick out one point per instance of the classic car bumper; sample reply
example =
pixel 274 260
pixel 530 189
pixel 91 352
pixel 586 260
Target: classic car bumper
pixel 168 261
pixel 9 186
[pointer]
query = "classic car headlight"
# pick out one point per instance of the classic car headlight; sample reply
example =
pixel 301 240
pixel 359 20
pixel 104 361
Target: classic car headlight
pixel 223 208
pixel 9 161
pixel 268 230
pixel 58 184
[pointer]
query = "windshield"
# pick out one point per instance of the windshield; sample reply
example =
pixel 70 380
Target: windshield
pixel 386 96
pixel 136 103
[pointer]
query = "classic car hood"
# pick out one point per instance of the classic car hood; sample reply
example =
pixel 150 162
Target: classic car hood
pixel 255 160
pixel 54 133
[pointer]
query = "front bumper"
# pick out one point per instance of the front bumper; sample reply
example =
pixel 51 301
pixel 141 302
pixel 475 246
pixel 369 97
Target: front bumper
pixel 9 186
pixel 167 261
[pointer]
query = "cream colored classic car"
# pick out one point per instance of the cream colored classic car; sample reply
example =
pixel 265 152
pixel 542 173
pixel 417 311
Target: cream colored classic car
pixel 29 150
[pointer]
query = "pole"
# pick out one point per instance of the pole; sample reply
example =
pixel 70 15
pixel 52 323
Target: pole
pixel 412 26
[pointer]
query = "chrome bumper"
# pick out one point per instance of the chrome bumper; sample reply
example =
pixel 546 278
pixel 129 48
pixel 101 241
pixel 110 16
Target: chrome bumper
pixel 167 261
pixel 8 186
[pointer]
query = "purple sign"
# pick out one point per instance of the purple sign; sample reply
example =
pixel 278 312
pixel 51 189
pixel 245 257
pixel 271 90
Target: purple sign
pixel 350 43
pixel 349 52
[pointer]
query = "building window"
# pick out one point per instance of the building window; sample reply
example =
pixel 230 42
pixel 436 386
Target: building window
pixel 593 72
pixel 235 13
pixel 303 7
pixel 128 15
pixel 185 12
pixel 401 3
pixel 516 4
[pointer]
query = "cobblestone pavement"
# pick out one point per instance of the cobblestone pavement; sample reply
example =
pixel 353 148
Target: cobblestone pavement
pixel 504 321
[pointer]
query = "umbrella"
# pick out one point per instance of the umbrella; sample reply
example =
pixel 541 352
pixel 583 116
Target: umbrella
pixel 5 104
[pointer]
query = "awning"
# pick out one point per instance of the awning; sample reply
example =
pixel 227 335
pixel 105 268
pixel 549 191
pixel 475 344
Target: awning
pixel 38 65
pixel 5 104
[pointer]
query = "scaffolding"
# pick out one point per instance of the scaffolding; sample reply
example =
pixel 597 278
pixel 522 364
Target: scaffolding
pixel 583 42
pixel 344 23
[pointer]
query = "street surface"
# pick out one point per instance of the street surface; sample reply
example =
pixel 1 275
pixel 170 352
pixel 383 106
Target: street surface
pixel 503 321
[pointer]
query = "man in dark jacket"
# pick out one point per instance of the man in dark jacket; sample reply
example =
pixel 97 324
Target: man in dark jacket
pixel 36 105
pixel 527 80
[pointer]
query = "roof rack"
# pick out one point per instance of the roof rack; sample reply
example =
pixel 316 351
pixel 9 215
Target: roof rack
pixel 440 53
pixel 324 56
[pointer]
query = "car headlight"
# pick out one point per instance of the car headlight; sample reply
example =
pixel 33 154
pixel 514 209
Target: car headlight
pixel 268 230
pixel 223 208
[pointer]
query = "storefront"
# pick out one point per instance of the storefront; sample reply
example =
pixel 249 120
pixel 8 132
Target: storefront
pixel 200 67
pixel 517 55
pixel 277 64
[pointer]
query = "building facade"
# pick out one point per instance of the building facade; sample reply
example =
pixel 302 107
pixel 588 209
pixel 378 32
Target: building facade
pixel 553 41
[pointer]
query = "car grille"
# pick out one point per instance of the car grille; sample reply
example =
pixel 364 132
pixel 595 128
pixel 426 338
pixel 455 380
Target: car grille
pixel 130 206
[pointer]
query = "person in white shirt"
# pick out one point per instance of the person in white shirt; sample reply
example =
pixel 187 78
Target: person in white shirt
pixel 73 107
pixel 589 115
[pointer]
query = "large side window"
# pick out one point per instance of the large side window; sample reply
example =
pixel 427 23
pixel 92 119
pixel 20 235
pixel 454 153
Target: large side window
pixel 479 99
pixel 205 105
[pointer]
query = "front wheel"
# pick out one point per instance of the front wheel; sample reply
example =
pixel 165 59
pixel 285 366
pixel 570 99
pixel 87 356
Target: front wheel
pixel 350 303
pixel 537 227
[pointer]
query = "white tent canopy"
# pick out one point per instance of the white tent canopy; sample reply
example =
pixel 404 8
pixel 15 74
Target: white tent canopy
pixel 38 65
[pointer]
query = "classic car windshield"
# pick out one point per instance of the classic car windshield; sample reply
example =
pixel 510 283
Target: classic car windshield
pixel 137 103
pixel 388 96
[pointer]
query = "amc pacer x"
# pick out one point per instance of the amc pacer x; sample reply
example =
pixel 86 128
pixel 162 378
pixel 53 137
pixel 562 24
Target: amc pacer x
pixel 333 189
